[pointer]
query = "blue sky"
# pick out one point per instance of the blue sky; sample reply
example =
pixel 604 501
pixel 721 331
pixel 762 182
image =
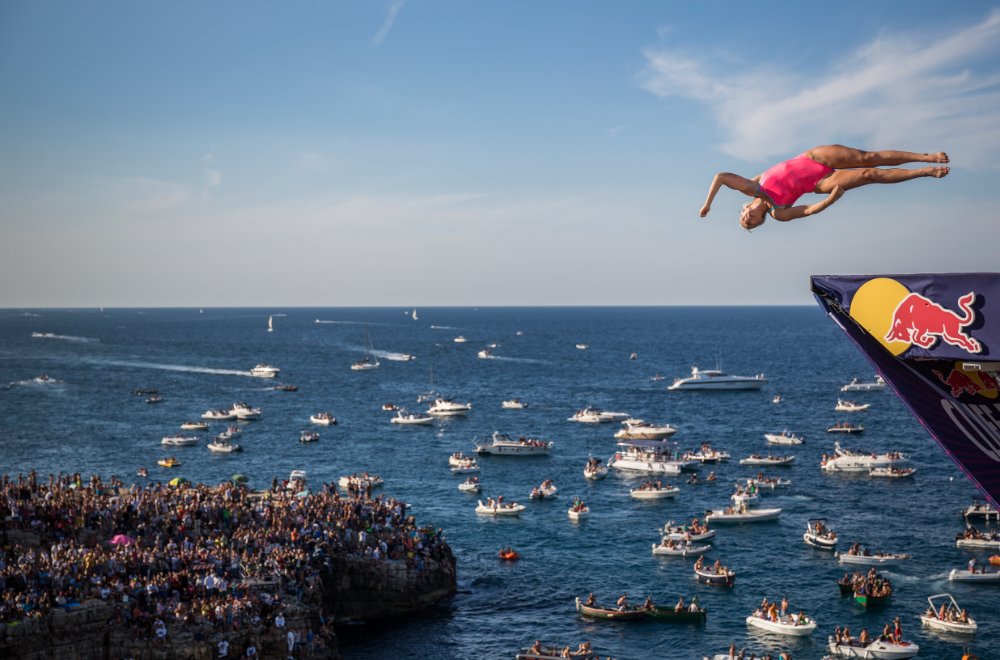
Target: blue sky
pixel 432 152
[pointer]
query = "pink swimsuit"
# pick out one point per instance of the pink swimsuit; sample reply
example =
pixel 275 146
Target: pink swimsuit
pixel 786 182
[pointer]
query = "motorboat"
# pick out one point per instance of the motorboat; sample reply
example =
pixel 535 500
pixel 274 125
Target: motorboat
pixel 863 557
pixel 470 485
pixel 578 511
pixel 218 415
pixel 761 481
pixel 413 419
pixel 692 532
pixel 495 508
pixel 670 548
pixel 943 614
pixel 467 466
pixel 229 432
pixel 546 490
pixel 594 470
pixel 370 360
pixel 848 460
pixel 637 429
pixel 649 456
pixel 591 415
pixel 285 387
pixel 44 379
pixel 819 535
pixel 264 371
pixel 513 404
pixel 857 386
pixel 583 347
pixel 880 649
pixel 459 458
pixel 965 575
pixel 309 436
pixel 501 444
pixel 757 459
pixel 179 440
pixel 390 407
pixel 973 538
pixel 846 427
pixel 738 515
pixel 776 399
pixel 220 446
pixel 716 575
pixel 448 408
pixel 635 613
pixel 716 379
pixel 460 339
pixel 783 438
pixel 168 462
pixel 706 454
pixel 843 405
pixel 485 354
pixel 360 481
pixel 744 497
pixel 651 491
pixel 892 472
pixel 323 419
pixel 245 412
pixel 156 398
pixel 981 510
pixel 194 426
pixel 794 625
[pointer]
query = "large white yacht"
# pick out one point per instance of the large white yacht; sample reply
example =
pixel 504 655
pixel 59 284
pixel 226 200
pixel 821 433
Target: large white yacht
pixel 264 371
pixel 637 429
pixel 590 415
pixel 502 444
pixel 651 456
pixel 716 379
pixel 448 408
pixel 245 412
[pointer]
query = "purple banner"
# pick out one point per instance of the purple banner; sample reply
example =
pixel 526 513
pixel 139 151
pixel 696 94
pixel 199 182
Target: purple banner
pixel 934 339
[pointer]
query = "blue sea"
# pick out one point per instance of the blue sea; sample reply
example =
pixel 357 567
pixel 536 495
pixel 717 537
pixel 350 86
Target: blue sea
pixel 90 420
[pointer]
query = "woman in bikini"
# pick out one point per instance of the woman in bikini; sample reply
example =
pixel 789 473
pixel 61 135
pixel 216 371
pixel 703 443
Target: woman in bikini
pixel 829 170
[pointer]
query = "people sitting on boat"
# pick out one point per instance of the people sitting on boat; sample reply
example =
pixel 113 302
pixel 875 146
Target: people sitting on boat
pixel 648 605
pixel 622 602
pixel 864 637
pixel 679 607
pixel 694 607
pixel 700 563
pixel 142 472
pixel 591 600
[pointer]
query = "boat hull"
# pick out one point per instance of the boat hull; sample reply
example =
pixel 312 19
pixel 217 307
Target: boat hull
pixel 871 560
pixel 877 650
pixel 784 627
pixel 609 615
pixel 957 575
pixel 677 616
pixel 716 580
pixel 754 515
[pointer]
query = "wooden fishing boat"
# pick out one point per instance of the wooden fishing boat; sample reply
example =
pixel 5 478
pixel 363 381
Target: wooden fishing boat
pixel 685 615
pixel 629 614
pixel 871 602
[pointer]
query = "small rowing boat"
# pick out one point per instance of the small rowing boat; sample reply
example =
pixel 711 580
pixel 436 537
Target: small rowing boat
pixel 595 612
pixel 674 615
pixel 757 459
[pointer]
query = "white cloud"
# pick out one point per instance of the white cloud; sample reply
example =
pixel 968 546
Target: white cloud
pixel 390 18
pixel 901 91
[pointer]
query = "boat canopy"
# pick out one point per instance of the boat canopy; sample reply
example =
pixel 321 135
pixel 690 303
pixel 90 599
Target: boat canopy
pixel 648 444
pixel 932 337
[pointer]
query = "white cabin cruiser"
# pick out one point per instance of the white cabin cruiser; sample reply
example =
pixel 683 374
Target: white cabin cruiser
pixel 323 418
pixel 244 412
pixel 264 371
pixel 757 459
pixel 716 379
pixel 179 440
pixel 844 405
pixel 501 444
pixel 783 438
pixel 650 456
pixel 856 386
pixel 637 429
pixel 943 614
pixel 513 404
pixel 448 408
pixel 847 460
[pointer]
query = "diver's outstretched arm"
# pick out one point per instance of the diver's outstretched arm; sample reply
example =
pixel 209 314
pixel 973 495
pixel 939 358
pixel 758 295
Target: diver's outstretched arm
pixel 730 180
pixel 784 215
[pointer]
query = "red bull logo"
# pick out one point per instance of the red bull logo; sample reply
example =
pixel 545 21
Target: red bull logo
pixel 962 383
pixel 921 321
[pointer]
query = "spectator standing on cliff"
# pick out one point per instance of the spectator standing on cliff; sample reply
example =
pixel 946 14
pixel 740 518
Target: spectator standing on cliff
pixel 279 621
pixel 223 649
pixel 291 643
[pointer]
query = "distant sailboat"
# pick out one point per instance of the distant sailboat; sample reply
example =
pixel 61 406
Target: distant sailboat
pixel 270 324
pixel 414 313
pixel 369 361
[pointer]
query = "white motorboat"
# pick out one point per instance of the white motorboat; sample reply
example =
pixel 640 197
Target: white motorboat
pixel 818 535
pixel 245 412
pixel 844 405
pixel 194 426
pixel 706 454
pixel 501 444
pixel 470 485
pixel 649 456
pixel 636 429
pixel 594 470
pixel 309 436
pixel 484 354
pixel 495 508
pixel 846 427
pixel 546 490
pixel 370 360
pixel 323 418
pixel 768 482
pixel 856 386
pixel 877 650
pixel 847 460
pixel 789 624
pixel 965 575
pixel 459 458
pixel 981 510
pixel 402 417
pixel 744 497
pixel 264 371
pixel 583 347
pixel 866 558
pixel 716 379
pixel 973 538
pixel 460 339
pixel 591 415
pixel 513 404
pixel 179 440
pixel 229 432
pixel 465 467
pixel 448 408
pixel 944 614
pixel 776 399
pixel 671 548
pixel 220 446
pixel 733 515
pixel 686 533
pixel 360 481
pixel 576 512
pixel 653 492
pixel 783 438
pixel 892 472
pixel 757 459
pixel 218 415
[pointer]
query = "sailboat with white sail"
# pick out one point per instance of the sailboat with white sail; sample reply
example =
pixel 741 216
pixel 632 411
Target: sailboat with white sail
pixel 270 324
pixel 414 313
pixel 369 361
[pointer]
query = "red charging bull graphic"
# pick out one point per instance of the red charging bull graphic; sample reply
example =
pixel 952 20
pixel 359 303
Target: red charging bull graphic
pixel 961 382
pixel 921 321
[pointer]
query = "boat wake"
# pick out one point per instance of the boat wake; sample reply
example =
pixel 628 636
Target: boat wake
pixel 504 358
pixel 394 357
pixel 172 367
pixel 52 335
pixel 322 322
pixel 444 327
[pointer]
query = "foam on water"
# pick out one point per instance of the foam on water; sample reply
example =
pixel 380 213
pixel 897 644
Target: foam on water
pixel 73 338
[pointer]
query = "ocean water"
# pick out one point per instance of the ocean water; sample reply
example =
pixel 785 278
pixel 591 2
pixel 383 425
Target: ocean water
pixel 90 420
